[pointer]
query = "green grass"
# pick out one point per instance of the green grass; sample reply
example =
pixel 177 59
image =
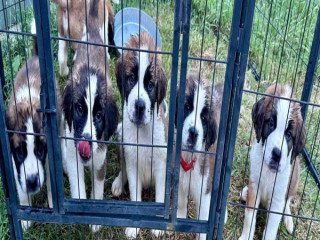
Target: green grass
pixel 215 27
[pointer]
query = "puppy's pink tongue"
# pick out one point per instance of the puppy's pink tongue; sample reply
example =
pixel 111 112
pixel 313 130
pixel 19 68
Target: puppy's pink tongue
pixel 84 149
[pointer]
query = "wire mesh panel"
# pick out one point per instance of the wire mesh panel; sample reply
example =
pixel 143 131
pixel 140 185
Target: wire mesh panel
pixel 280 57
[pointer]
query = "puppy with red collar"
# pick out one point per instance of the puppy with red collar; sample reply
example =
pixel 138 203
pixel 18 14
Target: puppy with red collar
pixel 200 127
pixel 280 137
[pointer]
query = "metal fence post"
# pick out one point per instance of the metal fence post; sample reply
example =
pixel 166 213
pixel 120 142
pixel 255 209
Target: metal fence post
pixel 48 101
pixel 307 90
pixel 172 107
pixel 242 20
pixel 311 68
pixel 183 73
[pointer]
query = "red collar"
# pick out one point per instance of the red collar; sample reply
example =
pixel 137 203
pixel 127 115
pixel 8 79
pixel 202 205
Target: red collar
pixel 187 166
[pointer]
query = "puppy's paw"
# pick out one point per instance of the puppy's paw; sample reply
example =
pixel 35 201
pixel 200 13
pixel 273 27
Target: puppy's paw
pixel 25 225
pixel 202 236
pixel 226 216
pixel 242 238
pixel 288 222
pixel 95 228
pixel 132 233
pixel 64 70
pixel 116 188
pixel 157 233
pixel 244 194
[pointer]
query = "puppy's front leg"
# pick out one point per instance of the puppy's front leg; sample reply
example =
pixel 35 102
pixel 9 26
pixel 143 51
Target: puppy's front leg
pixel 135 188
pixel 202 200
pixel 160 185
pixel 273 221
pixel 62 58
pixel 76 179
pixel 25 200
pixel 48 182
pixel 253 200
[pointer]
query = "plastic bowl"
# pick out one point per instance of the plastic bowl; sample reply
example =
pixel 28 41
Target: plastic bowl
pixel 130 26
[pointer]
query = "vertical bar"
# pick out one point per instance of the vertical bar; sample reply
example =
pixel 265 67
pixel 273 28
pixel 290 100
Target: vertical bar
pixel 311 68
pixel 49 101
pixel 172 105
pixel 182 87
pixel 234 81
pixel 7 175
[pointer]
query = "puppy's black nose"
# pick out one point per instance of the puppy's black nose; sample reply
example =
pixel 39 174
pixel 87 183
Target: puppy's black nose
pixel 193 135
pixel 33 182
pixel 86 136
pixel 276 154
pixel 140 106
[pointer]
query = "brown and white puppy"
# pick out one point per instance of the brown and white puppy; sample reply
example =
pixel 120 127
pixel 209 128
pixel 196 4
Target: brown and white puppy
pixel 89 114
pixel 28 145
pixel 200 129
pixel 142 83
pixel 280 137
pixel 72 19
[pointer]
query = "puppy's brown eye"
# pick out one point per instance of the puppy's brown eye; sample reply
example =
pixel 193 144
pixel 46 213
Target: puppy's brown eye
pixel 79 109
pixel 132 81
pixel 150 86
pixel 98 116
pixel 187 106
pixel 288 135
pixel 271 123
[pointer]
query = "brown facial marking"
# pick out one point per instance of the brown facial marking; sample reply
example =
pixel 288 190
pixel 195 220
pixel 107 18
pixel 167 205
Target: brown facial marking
pixel 101 173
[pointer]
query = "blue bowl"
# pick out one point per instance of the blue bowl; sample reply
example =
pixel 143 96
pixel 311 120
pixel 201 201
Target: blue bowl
pixel 130 26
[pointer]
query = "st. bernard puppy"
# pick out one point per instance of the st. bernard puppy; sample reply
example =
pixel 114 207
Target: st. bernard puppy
pixel 202 107
pixel 89 114
pixel 28 144
pixel 72 18
pixel 280 137
pixel 142 83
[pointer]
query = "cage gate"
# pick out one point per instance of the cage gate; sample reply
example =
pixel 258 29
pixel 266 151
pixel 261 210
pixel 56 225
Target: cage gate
pixel 230 66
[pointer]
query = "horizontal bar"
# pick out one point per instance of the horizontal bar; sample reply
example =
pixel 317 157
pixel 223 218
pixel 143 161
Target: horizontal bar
pixel 110 46
pixel 113 207
pixel 207 60
pixel 27 133
pixel 17 33
pixel 48 216
pixel 234 204
pixel 115 142
pixel 279 97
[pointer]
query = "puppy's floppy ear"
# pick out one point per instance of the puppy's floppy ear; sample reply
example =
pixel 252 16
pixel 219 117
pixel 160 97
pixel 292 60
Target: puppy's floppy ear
pixel 211 135
pixel 258 118
pixel 67 103
pixel 120 75
pixel 161 84
pixel 299 137
pixel 111 116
